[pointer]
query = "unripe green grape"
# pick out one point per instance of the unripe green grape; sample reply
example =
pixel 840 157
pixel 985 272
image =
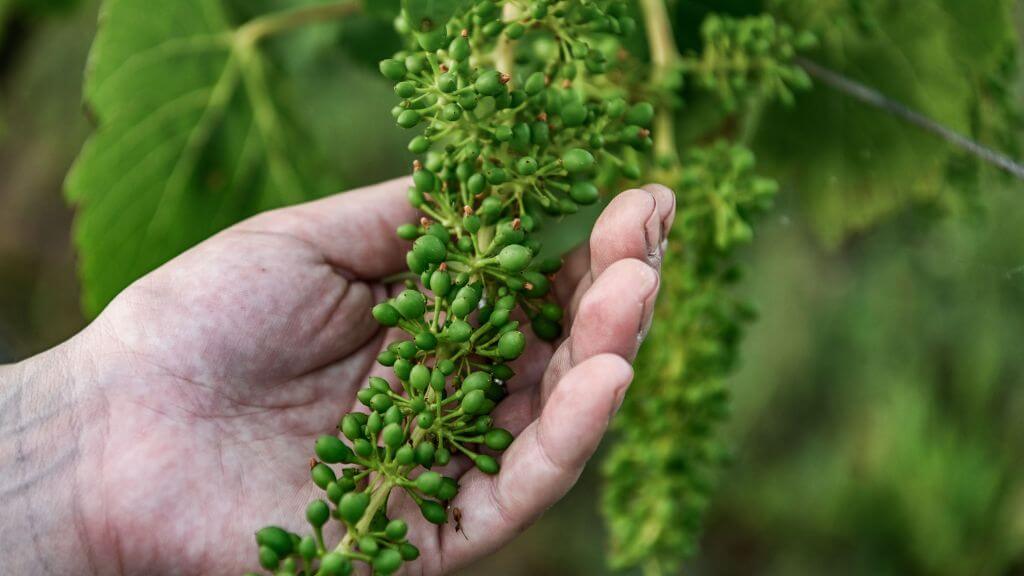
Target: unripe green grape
pixel 535 84
pixel 386 314
pixel 409 118
pixel 425 420
pixel 442 456
pixel 578 160
pixel 489 83
pixel 332 450
pixel 393 436
pixel 433 512
pixel 437 380
pixel 415 197
pixel 503 133
pixel 408 551
pixel 408 232
pixel 539 283
pixel 269 558
pixel 317 513
pixel 546 329
pixel 405 350
pixel 416 265
pixel 387 562
pixel 486 464
pixel 410 303
pixel 275 538
pixel 362 447
pixel 458 331
pixel 368 545
pixel 514 258
pixel 641 114
pixel 322 475
pixel 424 180
pixel 515 30
pixel 498 439
pixel 405 89
pixel 468 101
pixel 495 175
pixel 502 372
pixel 478 380
pixel 540 133
pixel 405 455
pixel 334 564
pixel 552 311
pixel 425 454
pixel 459 49
pixel 446 366
pixel 393 70
pixel 351 427
pixel 476 183
pixel 380 402
pixel 334 492
pixel 451 112
pixel 426 341
pixel 428 482
pixel 462 307
pixel 352 506
pixel 419 377
pixel 499 318
pixel 574 114
pixel 307 548
pixel 447 82
pixel 511 345
pixel 584 192
pixel 527 166
pixel 432 40
pixel 396 530
pixel 473 402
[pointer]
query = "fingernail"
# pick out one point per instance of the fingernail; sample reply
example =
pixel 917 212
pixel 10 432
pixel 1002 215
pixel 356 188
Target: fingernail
pixel 647 316
pixel 620 396
pixel 654 234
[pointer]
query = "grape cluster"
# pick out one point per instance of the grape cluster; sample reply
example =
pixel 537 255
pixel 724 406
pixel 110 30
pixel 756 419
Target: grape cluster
pixel 752 55
pixel 518 122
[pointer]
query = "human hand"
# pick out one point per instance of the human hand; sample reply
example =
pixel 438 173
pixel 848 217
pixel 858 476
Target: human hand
pixel 199 391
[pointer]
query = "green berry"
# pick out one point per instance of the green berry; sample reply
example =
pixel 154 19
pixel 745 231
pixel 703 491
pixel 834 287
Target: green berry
pixel 486 464
pixel 393 70
pixel 514 258
pixel 458 331
pixel 425 454
pixel 641 114
pixel 578 160
pixel 584 192
pixel 409 118
pixel 498 439
pixel 511 345
pixel 307 548
pixel 408 552
pixel 392 435
pixel 473 402
pixel 317 513
pixel 426 341
pixel 334 564
pixel 368 545
pixel 434 512
pixel 449 489
pixel 411 304
pixel 387 562
pixel 275 538
pixel 396 530
pixel 268 558
pixel 332 450
pixel 386 314
pixel 489 83
pixel 535 83
pixel 440 283
pixel 429 249
pixel 419 377
pixel 322 475
pixel 459 49
pixel 429 483
pixel 352 506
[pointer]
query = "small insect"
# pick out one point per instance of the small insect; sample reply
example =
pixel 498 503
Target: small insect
pixel 457 519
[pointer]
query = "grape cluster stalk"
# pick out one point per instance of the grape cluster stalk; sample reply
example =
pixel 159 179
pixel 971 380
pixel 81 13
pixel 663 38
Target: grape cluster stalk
pixel 525 112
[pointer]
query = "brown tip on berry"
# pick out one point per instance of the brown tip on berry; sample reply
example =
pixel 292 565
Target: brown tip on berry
pixel 505 78
pixel 527 286
pixel 644 132
pixel 424 221
pixel 517 224
pixel 417 165
pixel 443 67
pixel 312 463
pixel 442 266
pixel 543 116
pixel 566 83
pixel 464 33
pixel 467 210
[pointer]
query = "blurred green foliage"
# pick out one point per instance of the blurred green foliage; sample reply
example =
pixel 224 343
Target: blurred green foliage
pixel 878 414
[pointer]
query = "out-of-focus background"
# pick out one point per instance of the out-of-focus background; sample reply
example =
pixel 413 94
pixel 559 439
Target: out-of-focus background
pixel 878 418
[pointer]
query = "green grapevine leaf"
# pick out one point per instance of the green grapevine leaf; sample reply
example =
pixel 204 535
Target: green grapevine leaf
pixel 191 137
pixel 858 164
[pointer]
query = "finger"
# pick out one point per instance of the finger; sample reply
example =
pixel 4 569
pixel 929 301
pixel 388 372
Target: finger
pixel 634 225
pixel 354 230
pixel 543 462
pixel 614 317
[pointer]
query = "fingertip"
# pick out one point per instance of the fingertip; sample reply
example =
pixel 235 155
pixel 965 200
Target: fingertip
pixel 666 201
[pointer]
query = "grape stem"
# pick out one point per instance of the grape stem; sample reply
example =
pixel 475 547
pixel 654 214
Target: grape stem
pixel 277 22
pixel 664 58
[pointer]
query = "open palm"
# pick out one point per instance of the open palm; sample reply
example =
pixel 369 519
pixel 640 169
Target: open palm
pixel 217 371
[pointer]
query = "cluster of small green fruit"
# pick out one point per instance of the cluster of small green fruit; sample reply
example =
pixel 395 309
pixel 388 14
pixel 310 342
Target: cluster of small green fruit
pixel 519 122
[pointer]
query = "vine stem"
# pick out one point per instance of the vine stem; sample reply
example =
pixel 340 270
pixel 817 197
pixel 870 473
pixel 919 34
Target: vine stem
pixel 873 97
pixel 269 24
pixel 664 58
